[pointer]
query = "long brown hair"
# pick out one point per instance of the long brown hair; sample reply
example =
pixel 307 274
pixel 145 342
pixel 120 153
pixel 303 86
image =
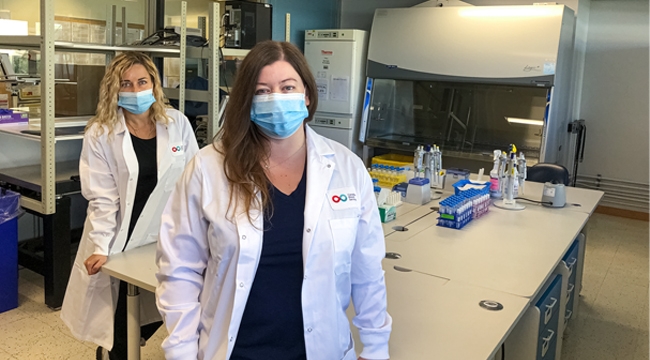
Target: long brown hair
pixel 109 88
pixel 242 144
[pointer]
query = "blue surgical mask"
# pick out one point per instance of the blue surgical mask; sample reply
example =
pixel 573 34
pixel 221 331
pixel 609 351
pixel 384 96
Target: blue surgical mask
pixel 136 102
pixel 279 115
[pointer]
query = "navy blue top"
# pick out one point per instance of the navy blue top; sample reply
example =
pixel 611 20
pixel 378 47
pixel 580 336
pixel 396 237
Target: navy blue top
pixel 271 326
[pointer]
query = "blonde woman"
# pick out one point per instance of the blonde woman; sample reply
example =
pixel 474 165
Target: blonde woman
pixel 134 150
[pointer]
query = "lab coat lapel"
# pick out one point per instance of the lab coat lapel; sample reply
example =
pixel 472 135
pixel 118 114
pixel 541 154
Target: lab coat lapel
pixel 320 168
pixel 163 154
pixel 126 188
pixel 124 138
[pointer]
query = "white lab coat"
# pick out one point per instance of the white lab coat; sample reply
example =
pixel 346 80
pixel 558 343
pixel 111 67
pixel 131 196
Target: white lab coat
pixel 207 263
pixel 108 169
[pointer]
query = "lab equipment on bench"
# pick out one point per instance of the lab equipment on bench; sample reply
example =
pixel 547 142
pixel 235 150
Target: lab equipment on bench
pixel 554 195
pixel 454 175
pixel 418 191
pixel 455 212
pixel 470 201
pixel 387 176
pixel 433 166
pixel 521 173
pixel 509 182
pixel 478 192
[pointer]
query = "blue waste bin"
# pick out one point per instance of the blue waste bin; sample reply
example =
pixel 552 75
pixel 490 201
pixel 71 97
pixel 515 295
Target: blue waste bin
pixel 9 212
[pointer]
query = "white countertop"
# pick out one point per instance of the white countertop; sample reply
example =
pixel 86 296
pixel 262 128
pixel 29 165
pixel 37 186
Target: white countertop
pixel 509 251
pixel 136 266
pixel 438 319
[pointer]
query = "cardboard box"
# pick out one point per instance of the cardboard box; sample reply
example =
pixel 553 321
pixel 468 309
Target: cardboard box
pixel 79 96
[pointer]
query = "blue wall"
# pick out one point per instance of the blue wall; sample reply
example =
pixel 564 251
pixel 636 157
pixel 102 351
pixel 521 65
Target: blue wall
pixel 305 15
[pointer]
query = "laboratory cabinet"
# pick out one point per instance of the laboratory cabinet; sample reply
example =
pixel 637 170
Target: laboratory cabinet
pixel 536 334
pixel 568 269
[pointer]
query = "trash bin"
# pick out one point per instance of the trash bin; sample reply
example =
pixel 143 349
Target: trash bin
pixel 9 212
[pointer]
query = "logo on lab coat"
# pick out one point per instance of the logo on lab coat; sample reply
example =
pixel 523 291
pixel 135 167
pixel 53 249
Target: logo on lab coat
pixel 345 198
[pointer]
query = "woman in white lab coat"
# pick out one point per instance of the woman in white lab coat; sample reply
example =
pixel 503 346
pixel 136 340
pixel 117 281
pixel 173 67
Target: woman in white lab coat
pixel 134 150
pixel 271 231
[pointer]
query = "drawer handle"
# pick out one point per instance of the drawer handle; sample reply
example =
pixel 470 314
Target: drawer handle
pixel 570 265
pixel 570 288
pixel 547 342
pixel 568 314
pixel 549 311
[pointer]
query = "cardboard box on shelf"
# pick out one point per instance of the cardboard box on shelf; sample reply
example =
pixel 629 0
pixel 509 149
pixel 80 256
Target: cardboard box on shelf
pixel 79 96
pixel 5 95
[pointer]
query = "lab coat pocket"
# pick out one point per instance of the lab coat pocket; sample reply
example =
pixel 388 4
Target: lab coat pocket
pixel 344 232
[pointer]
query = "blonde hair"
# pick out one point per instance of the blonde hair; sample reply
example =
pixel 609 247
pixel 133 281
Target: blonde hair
pixel 106 114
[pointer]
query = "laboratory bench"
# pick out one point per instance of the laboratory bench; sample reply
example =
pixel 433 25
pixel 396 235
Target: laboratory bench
pixel 437 278
pixel 51 255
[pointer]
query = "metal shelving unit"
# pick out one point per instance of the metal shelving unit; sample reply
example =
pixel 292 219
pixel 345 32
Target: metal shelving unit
pixel 47 46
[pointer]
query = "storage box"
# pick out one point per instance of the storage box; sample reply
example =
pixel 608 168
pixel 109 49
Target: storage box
pixel 387 213
pixel 13 116
pixel 80 95
pixel 394 160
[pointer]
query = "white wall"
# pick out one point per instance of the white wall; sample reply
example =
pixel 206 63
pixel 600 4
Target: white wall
pixel 615 91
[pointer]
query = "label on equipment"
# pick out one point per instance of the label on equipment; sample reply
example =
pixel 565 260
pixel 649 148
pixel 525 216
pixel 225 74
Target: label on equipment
pixel 549 191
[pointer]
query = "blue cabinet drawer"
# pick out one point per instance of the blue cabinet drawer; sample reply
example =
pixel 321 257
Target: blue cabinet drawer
pixel 570 298
pixel 547 344
pixel 549 304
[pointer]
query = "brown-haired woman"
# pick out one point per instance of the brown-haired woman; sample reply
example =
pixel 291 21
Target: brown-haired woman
pixel 134 150
pixel 271 231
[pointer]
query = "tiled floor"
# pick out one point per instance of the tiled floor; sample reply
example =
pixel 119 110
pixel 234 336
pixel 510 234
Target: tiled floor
pixel 612 322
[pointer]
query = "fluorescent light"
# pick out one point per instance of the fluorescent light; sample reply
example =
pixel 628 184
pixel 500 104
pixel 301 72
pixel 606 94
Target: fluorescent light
pixel 510 11
pixel 525 121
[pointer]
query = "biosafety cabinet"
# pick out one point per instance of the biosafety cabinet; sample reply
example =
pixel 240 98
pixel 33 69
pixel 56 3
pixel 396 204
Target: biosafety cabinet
pixel 470 79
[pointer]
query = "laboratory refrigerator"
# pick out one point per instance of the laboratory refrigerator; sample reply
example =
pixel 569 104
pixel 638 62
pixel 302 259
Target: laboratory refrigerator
pixel 337 58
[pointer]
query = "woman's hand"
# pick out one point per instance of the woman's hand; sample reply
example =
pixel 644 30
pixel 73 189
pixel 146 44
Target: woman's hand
pixel 94 263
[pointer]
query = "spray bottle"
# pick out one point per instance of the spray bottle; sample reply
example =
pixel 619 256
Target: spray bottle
pixel 495 187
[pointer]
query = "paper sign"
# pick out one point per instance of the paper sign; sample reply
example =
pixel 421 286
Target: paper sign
pixel 340 88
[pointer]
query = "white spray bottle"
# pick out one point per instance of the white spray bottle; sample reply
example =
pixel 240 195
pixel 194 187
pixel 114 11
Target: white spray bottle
pixel 495 187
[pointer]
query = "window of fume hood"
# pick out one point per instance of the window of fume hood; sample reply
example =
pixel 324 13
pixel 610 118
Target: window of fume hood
pixel 464 119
